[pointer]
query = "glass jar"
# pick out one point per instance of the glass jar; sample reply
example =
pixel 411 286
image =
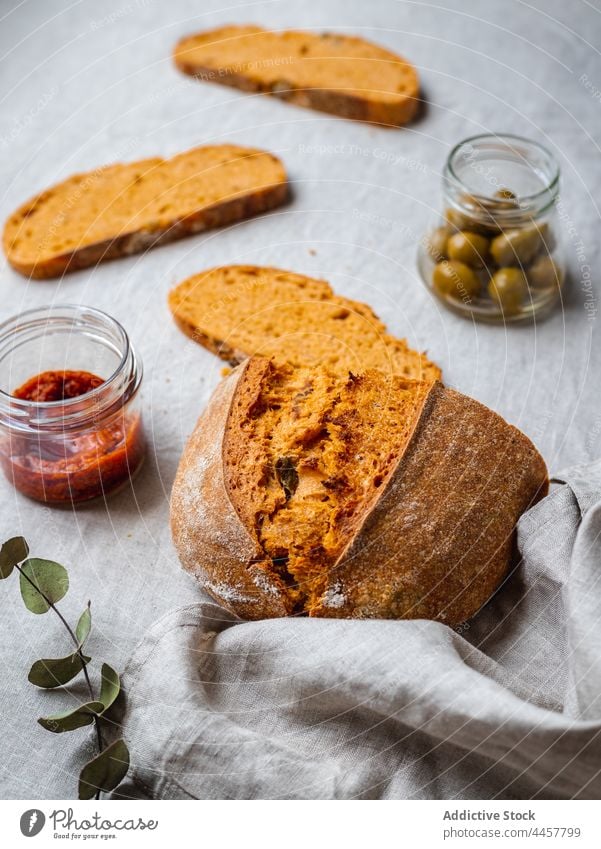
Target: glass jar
pixel 494 254
pixel 70 420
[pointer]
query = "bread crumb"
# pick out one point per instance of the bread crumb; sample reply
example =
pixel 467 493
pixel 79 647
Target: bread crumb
pixel 302 465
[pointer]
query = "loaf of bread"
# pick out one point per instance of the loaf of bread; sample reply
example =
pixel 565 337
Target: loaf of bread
pixel 306 491
pixel 240 310
pixel 346 76
pixel 125 209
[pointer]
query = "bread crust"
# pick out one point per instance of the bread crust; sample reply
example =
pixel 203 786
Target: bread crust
pixel 138 241
pixel 211 541
pixel 333 101
pixel 216 346
pixel 454 497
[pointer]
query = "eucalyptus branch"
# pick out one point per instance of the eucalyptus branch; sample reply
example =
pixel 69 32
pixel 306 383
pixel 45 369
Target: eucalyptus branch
pixel 43 583
pixel 78 651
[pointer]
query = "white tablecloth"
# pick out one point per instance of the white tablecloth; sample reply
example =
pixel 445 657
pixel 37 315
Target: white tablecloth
pixel 88 83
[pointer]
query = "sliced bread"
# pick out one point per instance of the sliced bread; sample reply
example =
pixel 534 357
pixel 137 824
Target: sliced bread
pixel 341 74
pixel 305 491
pixel 240 310
pixel 128 208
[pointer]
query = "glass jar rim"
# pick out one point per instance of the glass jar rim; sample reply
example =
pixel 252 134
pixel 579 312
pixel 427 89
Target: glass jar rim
pixel 507 138
pixel 109 395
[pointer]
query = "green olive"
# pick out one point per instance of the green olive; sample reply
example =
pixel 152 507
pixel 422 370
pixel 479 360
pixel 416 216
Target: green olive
pixel 456 280
pixel 505 194
pixel 504 200
pixel 457 220
pixel 544 273
pixel 518 246
pixel 436 243
pixel 469 248
pixel 480 222
pixel 508 287
pixel 548 239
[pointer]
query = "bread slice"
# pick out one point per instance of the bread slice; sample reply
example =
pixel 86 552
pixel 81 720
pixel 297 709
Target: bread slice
pixel 306 491
pixel 346 76
pixel 240 310
pixel 125 209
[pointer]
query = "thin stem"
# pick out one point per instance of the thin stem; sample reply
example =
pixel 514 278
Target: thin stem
pixel 78 652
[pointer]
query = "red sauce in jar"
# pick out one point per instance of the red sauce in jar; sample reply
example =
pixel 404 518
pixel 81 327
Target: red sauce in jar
pixel 57 386
pixel 65 467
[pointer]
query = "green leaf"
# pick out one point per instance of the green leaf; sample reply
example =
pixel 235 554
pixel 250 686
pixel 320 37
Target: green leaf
pixel 84 626
pixel 110 687
pixel 12 552
pixel 105 772
pixel 49 578
pixel 53 672
pixel 72 719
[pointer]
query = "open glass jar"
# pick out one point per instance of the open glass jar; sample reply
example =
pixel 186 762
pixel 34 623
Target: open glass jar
pixel 70 423
pixel 494 254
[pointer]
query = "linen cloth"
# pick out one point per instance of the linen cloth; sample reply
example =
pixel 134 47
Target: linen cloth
pixel 506 706
pixel 84 84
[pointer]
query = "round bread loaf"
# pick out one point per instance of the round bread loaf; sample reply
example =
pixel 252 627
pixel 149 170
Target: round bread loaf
pixel 304 491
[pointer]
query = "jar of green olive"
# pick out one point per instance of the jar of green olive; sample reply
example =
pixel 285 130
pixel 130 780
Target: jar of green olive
pixel 494 254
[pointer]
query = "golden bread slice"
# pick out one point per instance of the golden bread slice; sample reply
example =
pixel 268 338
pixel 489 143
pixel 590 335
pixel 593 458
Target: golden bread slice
pixel 341 74
pixel 237 311
pixel 127 208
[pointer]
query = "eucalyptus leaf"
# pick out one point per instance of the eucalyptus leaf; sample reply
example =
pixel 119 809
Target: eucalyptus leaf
pixel 110 686
pixel 12 552
pixel 47 577
pixel 72 719
pixel 54 672
pixel 84 626
pixel 105 772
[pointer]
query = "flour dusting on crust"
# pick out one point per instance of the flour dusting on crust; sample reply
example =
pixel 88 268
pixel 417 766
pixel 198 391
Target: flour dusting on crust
pixel 228 592
pixel 333 596
pixel 261 581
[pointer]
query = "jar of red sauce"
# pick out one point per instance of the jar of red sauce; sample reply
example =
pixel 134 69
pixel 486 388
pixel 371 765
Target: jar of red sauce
pixel 70 419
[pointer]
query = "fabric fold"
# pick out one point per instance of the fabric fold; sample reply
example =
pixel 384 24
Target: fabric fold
pixel 507 706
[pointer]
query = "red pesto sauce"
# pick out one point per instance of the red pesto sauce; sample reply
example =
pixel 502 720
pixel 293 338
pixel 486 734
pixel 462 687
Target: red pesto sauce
pixel 57 386
pixel 61 467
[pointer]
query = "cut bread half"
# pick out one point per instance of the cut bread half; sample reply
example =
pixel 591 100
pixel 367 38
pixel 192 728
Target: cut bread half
pixel 340 74
pixel 306 491
pixel 240 310
pixel 127 208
